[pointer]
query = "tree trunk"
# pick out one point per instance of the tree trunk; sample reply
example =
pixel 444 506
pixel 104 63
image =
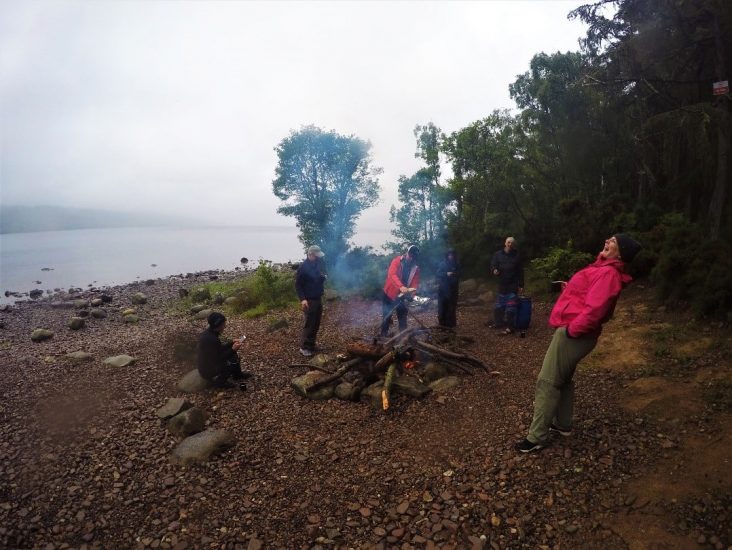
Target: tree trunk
pixel 716 205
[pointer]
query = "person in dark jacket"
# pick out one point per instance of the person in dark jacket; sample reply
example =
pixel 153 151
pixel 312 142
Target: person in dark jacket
pixel 585 304
pixel 310 285
pixel 506 264
pixel 402 280
pixel 447 291
pixel 217 362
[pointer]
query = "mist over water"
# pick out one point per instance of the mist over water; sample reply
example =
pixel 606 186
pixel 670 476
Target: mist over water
pixel 105 257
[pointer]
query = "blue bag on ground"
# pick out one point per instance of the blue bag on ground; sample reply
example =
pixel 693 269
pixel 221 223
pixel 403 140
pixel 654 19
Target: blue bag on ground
pixel 523 313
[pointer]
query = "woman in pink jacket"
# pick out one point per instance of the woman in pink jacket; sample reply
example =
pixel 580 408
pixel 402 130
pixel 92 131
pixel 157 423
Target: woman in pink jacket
pixel 586 302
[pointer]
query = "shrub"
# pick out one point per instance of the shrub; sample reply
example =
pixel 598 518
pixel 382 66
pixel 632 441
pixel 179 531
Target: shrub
pixel 561 263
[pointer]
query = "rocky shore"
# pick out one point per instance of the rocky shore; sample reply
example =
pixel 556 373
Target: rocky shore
pixel 88 461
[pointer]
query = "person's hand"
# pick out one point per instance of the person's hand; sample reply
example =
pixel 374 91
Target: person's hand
pixel 520 290
pixel 304 305
pixel 236 345
pixel 563 284
pixel 403 290
pixel 495 272
pixel 450 273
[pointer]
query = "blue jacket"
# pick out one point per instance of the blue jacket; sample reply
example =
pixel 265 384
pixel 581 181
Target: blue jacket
pixel 310 280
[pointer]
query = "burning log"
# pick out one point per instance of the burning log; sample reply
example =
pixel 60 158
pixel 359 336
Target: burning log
pixel 370 351
pixel 429 348
pixel 348 365
pixel 311 367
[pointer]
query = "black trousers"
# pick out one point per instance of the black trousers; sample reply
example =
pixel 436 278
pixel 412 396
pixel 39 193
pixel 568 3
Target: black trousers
pixel 389 306
pixel 313 315
pixel 447 309
pixel 230 369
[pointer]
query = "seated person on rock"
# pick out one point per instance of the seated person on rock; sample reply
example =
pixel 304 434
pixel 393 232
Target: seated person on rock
pixel 217 362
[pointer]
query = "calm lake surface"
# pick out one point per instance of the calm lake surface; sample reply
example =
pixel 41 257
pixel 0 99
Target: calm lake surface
pixel 122 255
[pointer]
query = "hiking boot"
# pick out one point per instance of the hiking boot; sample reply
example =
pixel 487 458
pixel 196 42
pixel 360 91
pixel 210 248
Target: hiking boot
pixel 243 376
pixel 561 431
pixel 225 385
pixel 527 446
pixel 306 352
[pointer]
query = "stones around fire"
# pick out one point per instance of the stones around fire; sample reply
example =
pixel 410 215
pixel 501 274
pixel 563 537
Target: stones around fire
pixel 188 422
pixel 173 406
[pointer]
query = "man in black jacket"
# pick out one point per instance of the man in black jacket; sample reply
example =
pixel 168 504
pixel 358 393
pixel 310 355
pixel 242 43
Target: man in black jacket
pixel 218 362
pixel 507 265
pixel 310 285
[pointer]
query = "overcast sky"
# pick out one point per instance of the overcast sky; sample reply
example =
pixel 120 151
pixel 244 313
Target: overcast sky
pixel 176 106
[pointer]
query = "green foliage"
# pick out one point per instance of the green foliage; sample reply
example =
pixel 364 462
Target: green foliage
pixel 255 293
pixel 325 181
pixel 560 263
pixel 691 269
pixel 360 271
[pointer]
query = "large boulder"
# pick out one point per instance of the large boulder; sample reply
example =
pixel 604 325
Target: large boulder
pixel 409 385
pixel 199 448
pixel 173 406
pixel 138 298
pixel 203 314
pixel 345 391
pixel 76 323
pixel 98 313
pixel 41 334
pixel 119 360
pixel 444 384
pixel 96 302
pixel 79 356
pixel 131 318
pixel 35 293
pixel 301 384
pixel 372 394
pixel 200 294
pixel 434 371
pixel 193 383
pixel 198 307
pixel 231 300
pixel 189 422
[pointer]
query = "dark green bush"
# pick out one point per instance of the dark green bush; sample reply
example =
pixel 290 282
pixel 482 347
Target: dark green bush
pixel 360 271
pixel 561 263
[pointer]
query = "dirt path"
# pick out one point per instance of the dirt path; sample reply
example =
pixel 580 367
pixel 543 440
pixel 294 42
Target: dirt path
pixel 85 463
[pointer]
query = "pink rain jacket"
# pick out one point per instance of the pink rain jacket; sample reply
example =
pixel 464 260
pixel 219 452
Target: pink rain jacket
pixel 589 298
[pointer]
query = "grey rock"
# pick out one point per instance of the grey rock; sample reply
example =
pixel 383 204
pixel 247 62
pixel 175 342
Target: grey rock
pixel 129 311
pixel 409 385
pixel 434 371
pixel 244 260
pixel 62 305
pixel 277 324
pixel 193 383
pixel 79 356
pixel 182 292
pixel 83 313
pixel 218 299
pixel 150 282
pixel 173 406
pixel 35 293
pixel 198 307
pixel 200 294
pixel 76 323
pixel 98 313
pixel 444 384
pixel 189 422
pixel 106 298
pixel 4 307
pixel 41 334
pixel 203 314
pixel 372 394
pixel 80 304
pixel 119 360
pixel 138 298
pixel 231 300
pixel 96 302
pixel 201 447
pixel 345 391
pixel 131 318
pixel 301 384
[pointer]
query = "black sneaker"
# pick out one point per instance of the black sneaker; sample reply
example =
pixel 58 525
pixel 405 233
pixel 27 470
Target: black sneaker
pixel 226 385
pixel 243 376
pixel 561 431
pixel 527 446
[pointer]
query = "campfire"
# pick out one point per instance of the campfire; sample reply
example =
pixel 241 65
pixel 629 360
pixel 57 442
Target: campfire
pixel 409 362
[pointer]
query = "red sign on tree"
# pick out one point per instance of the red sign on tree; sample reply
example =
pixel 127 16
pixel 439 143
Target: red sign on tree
pixel 720 88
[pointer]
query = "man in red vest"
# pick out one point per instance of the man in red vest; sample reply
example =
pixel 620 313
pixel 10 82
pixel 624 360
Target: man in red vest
pixel 402 280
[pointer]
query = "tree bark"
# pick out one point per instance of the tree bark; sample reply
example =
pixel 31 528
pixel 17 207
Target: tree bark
pixel 716 205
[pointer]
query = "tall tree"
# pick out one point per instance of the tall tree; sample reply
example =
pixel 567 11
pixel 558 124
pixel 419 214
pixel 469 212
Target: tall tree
pixel 325 181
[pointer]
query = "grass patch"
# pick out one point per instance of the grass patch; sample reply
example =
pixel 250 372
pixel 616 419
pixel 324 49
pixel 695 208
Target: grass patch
pixel 251 295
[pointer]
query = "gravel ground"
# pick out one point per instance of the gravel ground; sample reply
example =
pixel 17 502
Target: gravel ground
pixel 84 462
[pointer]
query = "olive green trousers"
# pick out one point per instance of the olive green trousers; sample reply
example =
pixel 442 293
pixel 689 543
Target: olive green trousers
pixel 554 399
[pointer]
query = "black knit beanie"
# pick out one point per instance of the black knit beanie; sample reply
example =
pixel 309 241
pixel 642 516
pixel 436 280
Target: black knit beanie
pixel 216 319
pixel 628 247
